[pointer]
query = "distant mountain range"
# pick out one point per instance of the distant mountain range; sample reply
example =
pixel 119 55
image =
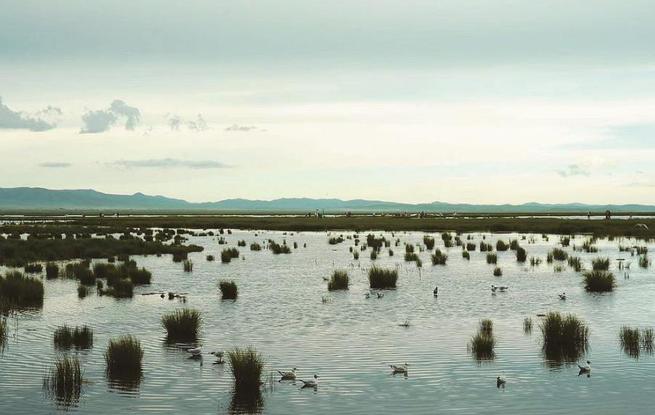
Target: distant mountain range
pixel 34 198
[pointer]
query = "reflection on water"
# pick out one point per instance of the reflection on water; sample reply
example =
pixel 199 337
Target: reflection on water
pixel 350 340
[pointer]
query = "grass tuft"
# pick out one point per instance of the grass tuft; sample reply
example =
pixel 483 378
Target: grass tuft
pixel 64 381
pixel 182 325
pixel 565 338
pixel 382 278
pixel 338 281
pixel 246 366
pixel 599 281
pixel 228 290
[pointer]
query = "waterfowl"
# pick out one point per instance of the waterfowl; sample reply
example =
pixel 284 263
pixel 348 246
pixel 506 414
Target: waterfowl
pixel 288 375
pixel 562 296
pixel 493 288
pixel 380 295
pixel 503 288
pixel 405 324
pixel 312 383
pixel 399 369
pixel 585 369
pixel 196 353
pixel 219 357
pixel 500 382
pixel 367 295
pixel 435 291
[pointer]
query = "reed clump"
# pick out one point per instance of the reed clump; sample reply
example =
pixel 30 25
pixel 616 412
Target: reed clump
pixel 255 246
pixel 498 272
pixel 51 270
pixel 64 381
pixel 492 259
pixel 559 254
pixel 600 264
pixel 630 340
pixel 188 265
pixel 527 325
pixel 79 337
pixel 466 255
pixel 380 278
pixel 565 338
pixel 229 254
pixel 228 290
pixel 182 325
pixel 501 245
pixel 483 343
pixel 599 281
pixel 123 359
pixel 17 290
pixel 246 366
pixel 439 258
pixel 575 263
pixel 278 248
pixel 33 268
pixel 338 281
pixel 429 242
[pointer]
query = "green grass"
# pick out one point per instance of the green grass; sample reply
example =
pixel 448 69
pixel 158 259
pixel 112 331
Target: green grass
pixel 188 265
pixel 64 381
pixel 123 359
pixel 439 258
pixel 338 281
pixel 498 272
pixel 565 338
pixel 20 291
pixel 466 255
pixel 429 242
pixel 229 254
pixel 599 281
pixel 228 289
pixel 486 326
pixel 521 255
pixel 182 325
pixel 470 246
pixel 210 258
pixel 411 256
pixel 78 337
pixel 501 246
pixel 246 366
pixel 380 278
pixel 600 264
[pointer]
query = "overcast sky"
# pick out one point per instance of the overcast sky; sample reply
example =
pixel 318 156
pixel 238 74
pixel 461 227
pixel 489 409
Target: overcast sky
pixel 412 101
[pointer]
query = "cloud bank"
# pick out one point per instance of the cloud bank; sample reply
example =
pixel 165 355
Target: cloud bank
pixel 10 119
pixel 102 120
pixel 55 165
pixel 170 163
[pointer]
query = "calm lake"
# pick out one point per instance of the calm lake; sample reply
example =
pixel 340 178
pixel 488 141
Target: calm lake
pixel 350 340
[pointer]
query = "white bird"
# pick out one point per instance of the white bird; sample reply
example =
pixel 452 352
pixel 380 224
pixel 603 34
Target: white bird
pixel 312 383
pixel 288 375
pixel 562 296
pixel 219 357
pixel 585 369
pixel 500 382
pixel 399 369
pixel 195 352
pixel 493 288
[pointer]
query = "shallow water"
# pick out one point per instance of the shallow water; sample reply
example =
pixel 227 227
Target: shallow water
pixel 351 340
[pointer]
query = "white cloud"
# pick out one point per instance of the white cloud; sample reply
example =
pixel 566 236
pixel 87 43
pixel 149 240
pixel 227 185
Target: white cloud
pixel 10 119
pixel 102 120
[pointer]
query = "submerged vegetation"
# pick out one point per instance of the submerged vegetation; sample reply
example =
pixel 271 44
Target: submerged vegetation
pixel 78 337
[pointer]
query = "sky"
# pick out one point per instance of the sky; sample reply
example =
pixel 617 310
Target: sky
pixel 477 101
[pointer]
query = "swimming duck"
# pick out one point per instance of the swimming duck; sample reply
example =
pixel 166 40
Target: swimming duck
pixel 288 375
pixel 562 296
pixel 585 369
pixel 399 369
pixel 500 382
pixel 219 357
pixel 405 324
pixel 435 291
pixel 380 295
pixel 312 383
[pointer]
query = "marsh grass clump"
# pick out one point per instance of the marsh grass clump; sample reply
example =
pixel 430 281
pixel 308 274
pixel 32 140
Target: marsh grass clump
pixel 630 340
pixel 647 340
pixel 356 255
pixel 486 326
pixel 210 258
pixel 521 255
pixel 644 262
pixel 439 258
pixel 600 264
pixel 498 272
pixel 51 270
pixel 121 288
pixel 255 246
pixel 575 263
pixel 565 338
pixel 429 242
pixel 228 290
pixel 535 261
pixel 501 245
pixel 278 248
pixel 3 333
pixel 482 346
pixel 599 281
pixel 466 255
pixel 123 359
pixel 64 381
pixel 79 337
pixel 374 255
pixel 485 247
pixel 241 243
pixel 338 281
pixel 335 240
pixel 380 278
pixel 33 268
pixel 229 254
pixel 246 366
pixel 411 256
pixel 188 265
pixel 514 244
pixel 182 325
pixel 17 290
pixel 527 325
pixel 559 254
pixel 82 291
pixel 470 246
pixel 492 259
